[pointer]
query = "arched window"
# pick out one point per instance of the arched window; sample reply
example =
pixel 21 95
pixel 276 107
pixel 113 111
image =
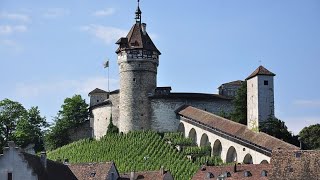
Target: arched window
pixel 193 135
pixel 231 155
pixel 217 148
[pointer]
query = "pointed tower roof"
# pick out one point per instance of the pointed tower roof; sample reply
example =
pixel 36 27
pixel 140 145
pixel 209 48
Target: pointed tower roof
pixel 137 37
pixel 260 71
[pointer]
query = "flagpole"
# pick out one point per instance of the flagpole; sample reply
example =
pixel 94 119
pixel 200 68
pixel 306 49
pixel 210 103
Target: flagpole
pixel 108 77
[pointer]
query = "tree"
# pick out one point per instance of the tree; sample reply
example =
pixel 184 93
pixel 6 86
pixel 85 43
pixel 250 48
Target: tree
pixel 112 129
pixel 30 129
pixel 73 112
pixel 240 105
pixel 310 136
pixel 10 113
pixel 277 128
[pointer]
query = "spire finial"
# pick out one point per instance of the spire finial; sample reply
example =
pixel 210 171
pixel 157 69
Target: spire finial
pixel 138 13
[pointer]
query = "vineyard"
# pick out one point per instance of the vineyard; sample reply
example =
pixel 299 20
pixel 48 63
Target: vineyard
pixel 138 151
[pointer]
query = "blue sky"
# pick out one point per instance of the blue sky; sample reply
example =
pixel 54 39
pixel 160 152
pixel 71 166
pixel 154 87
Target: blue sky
pixel 50 50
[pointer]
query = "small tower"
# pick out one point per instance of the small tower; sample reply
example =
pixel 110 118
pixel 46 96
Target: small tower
pixel 138 60
pixel 260 97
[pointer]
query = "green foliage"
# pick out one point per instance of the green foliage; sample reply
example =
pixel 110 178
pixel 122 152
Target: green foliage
pixel 30 129
pixel 209 161
pixel 240 105
pixel 20 125
pixel 139 151
pixel 277 128
pixel 310 136
pixel 112 129
pixel 73 112
pixel 10 113
pixel 177 138
pixel 196 151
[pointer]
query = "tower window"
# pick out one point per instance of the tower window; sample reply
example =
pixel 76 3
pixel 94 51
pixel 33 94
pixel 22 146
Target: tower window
pixel 266 83
pixel 134 79
pixel 10 176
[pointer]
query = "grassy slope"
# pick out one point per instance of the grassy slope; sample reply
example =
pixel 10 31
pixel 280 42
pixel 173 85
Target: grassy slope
pixel 129 153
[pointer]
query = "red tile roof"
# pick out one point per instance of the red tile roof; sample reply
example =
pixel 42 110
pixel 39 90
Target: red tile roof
pixel 260 71
pixel 234 129
pixel 91 171
pixel 148 175
pixel 255 170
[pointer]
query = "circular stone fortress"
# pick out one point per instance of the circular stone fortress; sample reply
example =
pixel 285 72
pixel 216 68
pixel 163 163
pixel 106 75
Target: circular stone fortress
pixel 140 105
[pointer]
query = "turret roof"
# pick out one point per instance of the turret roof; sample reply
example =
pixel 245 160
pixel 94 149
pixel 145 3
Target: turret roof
pixel 136 39
pixel 260 71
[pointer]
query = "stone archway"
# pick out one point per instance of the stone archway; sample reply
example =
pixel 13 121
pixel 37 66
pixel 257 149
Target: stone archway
pixel 217 148
pixel 264 162
pixel 193 135
pixel 247 159
pixel 204 141
pixel 181 128
pixel 231 155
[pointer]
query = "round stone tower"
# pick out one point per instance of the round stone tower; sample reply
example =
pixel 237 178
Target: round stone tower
pixel 138 60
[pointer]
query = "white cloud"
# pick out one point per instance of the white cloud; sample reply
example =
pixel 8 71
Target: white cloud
pixel 307 103
pixel 56 12
pixel 8 29
pixel 105 33
pixel 15 16
pixel 82 86
pixel 105 12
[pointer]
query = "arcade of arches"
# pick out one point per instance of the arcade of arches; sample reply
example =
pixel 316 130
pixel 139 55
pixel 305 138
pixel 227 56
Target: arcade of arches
pixel 228 151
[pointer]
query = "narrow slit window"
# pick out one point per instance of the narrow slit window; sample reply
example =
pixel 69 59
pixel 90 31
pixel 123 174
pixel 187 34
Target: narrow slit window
pixel 266 83
pixel 10 176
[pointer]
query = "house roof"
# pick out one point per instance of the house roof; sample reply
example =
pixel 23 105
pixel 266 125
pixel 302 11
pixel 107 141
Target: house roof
pixel 197 96
pixel 136 39
pixel 53 171
pixel 235 83
pixel 216 171
pixel 260 71
pixel 96 91
pixel 148 175
pixel 91 171
pixel 234 129
pixel 297 164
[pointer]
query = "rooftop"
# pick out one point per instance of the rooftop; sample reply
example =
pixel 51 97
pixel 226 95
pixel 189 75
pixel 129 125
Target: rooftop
pixel 90 171
pixel 216 171
pixel 260 71
pixel 234 129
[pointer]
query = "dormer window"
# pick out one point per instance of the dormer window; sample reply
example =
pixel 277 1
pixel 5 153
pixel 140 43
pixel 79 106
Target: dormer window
pixel 247 174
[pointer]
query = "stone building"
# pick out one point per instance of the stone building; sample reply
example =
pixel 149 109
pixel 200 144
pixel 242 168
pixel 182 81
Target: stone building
pixel 140 104
pixel 16 164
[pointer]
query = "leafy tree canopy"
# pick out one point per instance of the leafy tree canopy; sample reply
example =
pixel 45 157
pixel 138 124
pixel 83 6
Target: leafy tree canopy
pixel 20 125
pixel 74 111
pixel 277 128
pixel 240 105
pixel 310 136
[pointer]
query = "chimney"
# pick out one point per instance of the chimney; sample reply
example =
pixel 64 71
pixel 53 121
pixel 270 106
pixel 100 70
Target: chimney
pixel 161 170
pixel 132 174
pixel 11 144
pixel 144 28
pixel 43 159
